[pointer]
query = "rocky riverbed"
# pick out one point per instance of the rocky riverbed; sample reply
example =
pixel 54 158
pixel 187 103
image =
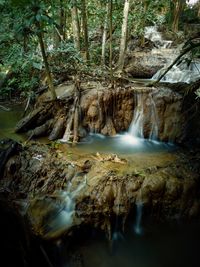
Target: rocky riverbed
pixel 58 187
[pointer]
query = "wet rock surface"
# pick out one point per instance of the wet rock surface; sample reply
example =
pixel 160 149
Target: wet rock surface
pixel 59 188
pixel 110 111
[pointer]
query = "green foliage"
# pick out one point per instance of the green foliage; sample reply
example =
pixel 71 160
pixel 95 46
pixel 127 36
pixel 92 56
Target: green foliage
pixel 190 15
pixel 145 13
pixel 19 28
pixel 65 56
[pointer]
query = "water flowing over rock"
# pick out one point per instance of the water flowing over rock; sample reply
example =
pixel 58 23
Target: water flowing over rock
pixel 62 192
pixel 146 62
pixel 184 72
pixel 137 226
pixel 151 33
pixel 136 128
pixel 153 113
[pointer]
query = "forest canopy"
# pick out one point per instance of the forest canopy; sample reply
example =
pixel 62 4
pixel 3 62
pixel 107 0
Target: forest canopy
pixel 41 40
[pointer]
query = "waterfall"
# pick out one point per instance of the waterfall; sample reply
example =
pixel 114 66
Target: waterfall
pixel 136 129
pixel 63 217
pixel 180 73
pixel 186 71
pixel 138 219
pixel 152 34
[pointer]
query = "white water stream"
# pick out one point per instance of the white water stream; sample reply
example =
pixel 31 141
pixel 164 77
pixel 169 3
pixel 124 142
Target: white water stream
pixel 186 71
pixel 63 218
pixel 135 133
pixel 138 219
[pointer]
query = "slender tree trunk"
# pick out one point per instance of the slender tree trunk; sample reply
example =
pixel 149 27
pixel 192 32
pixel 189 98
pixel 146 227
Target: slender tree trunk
pixel 85 29
pixel 143 22
pixel 110 31
pixel 47 69
pixel 25 43
pixel 178 8
pixel 123 35
pixel 75 26
pixel 62 20
pixel 198 11
pixel 105 28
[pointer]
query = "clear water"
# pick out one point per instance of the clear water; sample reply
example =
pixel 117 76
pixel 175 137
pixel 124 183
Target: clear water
pixel 122 144
pixel 154 246
pixel 8 120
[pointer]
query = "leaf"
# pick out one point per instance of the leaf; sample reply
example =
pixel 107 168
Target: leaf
pixel 45 18
pixel 37 65
pixel 38 17
pixel 20 3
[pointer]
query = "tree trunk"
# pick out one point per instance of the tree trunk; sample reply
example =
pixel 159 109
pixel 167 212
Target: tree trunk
pixel 123 35
pixel 47 69
pixel 58 24
pixel 75 26
pixel 62 20
pixel 85 29
pixel 110 31
pixel 105 28
pixel 25 43
pixel 178 7
pixel 76 109
pixel 143 22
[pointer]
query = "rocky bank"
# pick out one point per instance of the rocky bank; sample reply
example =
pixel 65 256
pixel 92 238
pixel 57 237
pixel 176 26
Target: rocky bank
pixel 59 188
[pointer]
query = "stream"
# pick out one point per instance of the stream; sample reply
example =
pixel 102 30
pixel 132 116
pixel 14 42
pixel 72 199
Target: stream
pixel 142 245
pixel 8 120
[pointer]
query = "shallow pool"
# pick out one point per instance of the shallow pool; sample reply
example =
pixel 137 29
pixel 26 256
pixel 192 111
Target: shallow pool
pixel 8 120
pixel 122 144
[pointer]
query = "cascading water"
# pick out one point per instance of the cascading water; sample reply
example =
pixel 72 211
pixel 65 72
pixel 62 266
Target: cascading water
pixel 181 72
pixel 62 217
pixel 136 127
pixel 136 130
pixel 138 219
pixel 152 34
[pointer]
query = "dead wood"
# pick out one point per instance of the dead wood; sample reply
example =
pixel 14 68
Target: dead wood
pixel 25 123
pixel 58 129
pixel 67 132
pixel 42 130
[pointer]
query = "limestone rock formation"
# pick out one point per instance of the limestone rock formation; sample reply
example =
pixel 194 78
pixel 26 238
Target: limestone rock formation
pixel 59 190
pixel 108 111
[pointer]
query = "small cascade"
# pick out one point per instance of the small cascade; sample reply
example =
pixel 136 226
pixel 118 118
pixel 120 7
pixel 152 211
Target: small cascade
pixel 137 226
pixel 63 217
pixel 180 73
pixel 151 33
pixel 136 127
pixel 117 234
